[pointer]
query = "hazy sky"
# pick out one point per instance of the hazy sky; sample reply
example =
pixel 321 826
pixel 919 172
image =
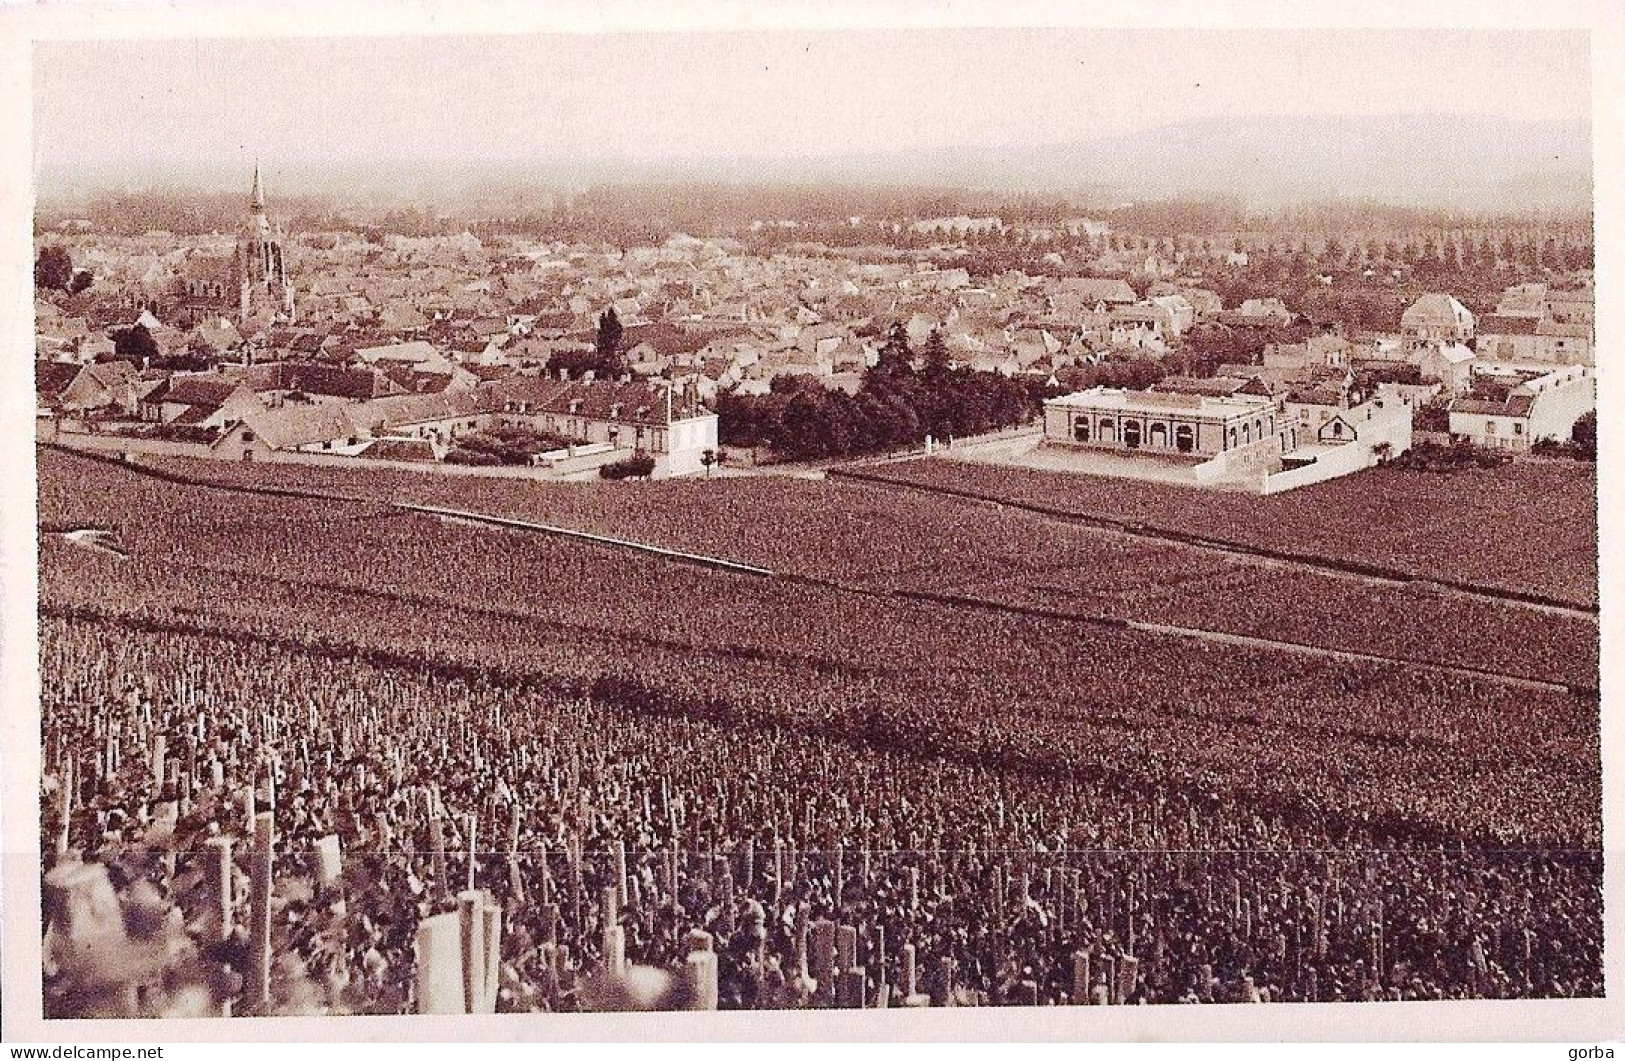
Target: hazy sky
pixel 307 101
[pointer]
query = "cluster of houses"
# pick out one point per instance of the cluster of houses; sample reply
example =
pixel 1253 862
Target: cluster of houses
pixel 1304 418
pixel 703 312
pixel 372 409
pixel 1329 405
pixel 392 347
pixel 1511 378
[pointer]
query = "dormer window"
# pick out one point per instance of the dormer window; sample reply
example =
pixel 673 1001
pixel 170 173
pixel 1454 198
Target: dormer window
pixel 575 406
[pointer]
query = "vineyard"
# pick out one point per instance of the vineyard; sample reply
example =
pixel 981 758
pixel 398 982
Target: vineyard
pixel 861 535
pixel 843 790
pixel 1528 527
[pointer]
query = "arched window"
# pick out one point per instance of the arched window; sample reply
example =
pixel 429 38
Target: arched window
pixel 1080 430
pixel 1184 440
pixel 1108 431
pixel 1246 434
pixel 1159 435
pixel 1131 434
pixel 1231 444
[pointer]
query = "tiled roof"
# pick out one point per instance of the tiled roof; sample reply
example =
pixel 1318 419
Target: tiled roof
pixel 636 402
pixel 1316 394
pixel 211 393
pixel 51 378
pixel 112 373
pixel 1557 329
pixel 1498 324
pixel 412 351
pixel 332 381
pixel 1217 385
pixel 1435 309
pixel 1514 405
pixel 1097 289
pixel 401 409
pixel 303 425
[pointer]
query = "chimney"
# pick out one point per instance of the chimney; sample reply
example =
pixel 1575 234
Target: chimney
pixel 587 376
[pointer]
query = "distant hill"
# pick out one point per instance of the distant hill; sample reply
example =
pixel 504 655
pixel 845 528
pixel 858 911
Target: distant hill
pixel 1452 162
pixel 1468 162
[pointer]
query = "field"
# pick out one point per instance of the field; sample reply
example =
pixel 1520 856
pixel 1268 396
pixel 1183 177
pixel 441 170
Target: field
pixel 858 535
pixel 1528 527
pixel 608 699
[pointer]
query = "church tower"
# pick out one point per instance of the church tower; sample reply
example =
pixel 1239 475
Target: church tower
pixel 264 294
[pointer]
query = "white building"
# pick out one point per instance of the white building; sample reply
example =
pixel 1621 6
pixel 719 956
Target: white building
pixel 1435 318
pixel 1514 407
pixel 1197 425
pixel 1230 435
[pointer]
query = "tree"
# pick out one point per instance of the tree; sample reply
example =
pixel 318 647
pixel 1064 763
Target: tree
pixel 896 355
pixel 640 465
pixel 53 268
pixel 712 458
pixel 610 331
pixel 935 355
pixel 135 344
pixel 1585 435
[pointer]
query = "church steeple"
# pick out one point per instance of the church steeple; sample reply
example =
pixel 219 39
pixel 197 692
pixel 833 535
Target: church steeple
pixel 261 270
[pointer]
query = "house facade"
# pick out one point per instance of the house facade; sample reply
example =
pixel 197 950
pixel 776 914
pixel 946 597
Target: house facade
pixel 1514 410
pixel 1435 318
pixel 626 414
pixel 1178 424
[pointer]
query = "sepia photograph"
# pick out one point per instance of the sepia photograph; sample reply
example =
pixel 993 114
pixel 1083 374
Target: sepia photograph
pixel 534 523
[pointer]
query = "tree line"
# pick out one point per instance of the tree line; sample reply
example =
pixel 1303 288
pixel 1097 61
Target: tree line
pixel 902 399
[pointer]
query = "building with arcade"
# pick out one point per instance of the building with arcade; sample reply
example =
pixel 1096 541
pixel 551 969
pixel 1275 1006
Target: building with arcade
pixel 1181 424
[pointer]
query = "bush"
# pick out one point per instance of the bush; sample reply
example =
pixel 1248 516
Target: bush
pixel 1431 418
pixel 505 444
pixel 177 433
pixel 1433 457
pixel 463 455
pixel 1551 447
pixel 637 466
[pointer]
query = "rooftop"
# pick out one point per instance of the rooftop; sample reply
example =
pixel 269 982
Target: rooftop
pixel 1157 402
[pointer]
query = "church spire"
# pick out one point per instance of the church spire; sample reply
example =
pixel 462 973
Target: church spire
pixel 256 199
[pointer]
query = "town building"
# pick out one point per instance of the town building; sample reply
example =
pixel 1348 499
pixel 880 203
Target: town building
pixel 1264 311
pixel 1320 351
pixel 627 414
pixel 1533 323
pixel 1233 432
pixel 253 282
pixel 1435 318
pixel 1448 364
pixel 103 386
pixel 1174 423
pixel 608 417
pixel 201 400
pixel 1513 408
